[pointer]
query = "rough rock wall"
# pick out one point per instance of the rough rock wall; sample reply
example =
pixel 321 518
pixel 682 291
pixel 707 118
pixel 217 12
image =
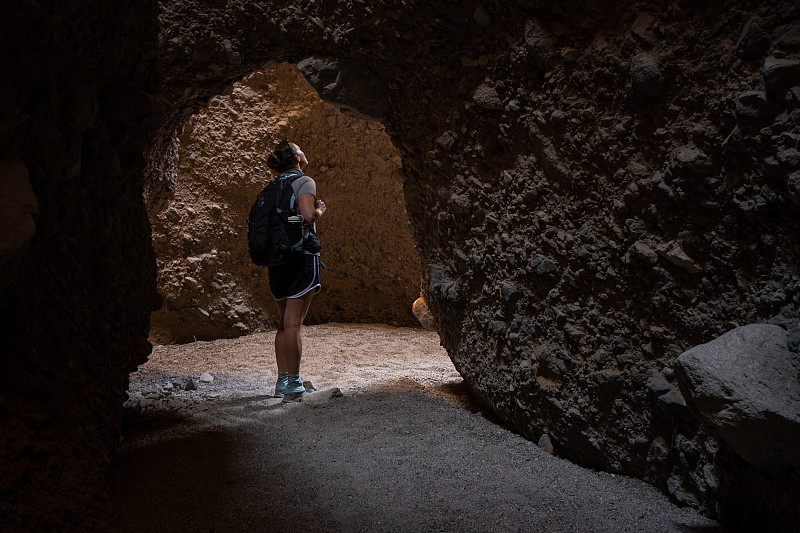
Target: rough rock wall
pixel 647 206
pixel 595 187
pixel 76 263
pixel 644 203
pixel 211 288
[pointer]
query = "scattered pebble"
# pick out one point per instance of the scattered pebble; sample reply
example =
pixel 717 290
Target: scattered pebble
pixel 545 443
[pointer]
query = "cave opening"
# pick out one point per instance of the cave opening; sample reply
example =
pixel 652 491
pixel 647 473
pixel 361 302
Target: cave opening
pixel 218 165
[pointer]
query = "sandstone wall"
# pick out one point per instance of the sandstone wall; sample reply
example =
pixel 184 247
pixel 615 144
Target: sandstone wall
pixel 594 188
pixel 211 287
pixel 76 263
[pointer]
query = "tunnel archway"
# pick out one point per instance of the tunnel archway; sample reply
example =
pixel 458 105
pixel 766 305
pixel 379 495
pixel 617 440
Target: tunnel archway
pixel 589 199
pixel 573 193
pixel 211 288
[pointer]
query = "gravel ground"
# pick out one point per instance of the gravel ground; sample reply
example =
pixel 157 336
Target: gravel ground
pixel 401 449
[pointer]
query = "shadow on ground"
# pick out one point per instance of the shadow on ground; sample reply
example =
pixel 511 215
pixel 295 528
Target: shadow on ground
pixel 396 458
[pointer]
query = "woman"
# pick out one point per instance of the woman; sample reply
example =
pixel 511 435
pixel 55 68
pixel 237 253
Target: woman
pixel 294 284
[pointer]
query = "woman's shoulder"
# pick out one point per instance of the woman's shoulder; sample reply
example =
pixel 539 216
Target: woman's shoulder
pixel 304 184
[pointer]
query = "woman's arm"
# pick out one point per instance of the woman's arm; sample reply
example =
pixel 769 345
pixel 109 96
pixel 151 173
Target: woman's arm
pixel 310 210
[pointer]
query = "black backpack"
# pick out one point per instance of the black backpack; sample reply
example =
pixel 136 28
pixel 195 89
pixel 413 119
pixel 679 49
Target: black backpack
pixel 274 225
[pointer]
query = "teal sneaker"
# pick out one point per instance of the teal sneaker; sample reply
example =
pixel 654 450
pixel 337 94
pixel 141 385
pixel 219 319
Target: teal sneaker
pixel 280 385
pixel 294 390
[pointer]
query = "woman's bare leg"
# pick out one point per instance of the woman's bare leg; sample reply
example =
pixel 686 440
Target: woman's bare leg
pixel 288 343
pixel 280 355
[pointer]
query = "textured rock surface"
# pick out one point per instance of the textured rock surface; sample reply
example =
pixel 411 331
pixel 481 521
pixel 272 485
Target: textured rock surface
pixel 594 190
pixel 579 232
pixel 745 386
pixel 211 288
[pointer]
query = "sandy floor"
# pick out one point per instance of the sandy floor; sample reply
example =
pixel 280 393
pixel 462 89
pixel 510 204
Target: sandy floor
pixel 402 449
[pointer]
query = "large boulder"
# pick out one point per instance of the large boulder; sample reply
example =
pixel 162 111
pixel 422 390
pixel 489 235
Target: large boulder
pixel 745 386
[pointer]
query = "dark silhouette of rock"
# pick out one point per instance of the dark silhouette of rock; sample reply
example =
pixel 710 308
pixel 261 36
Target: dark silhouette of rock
pixel 539 45
pixel 349 84
pixel 745 386
pixel 753 42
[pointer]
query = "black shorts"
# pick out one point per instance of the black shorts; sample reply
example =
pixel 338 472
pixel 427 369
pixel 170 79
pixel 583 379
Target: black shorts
pixel 295 278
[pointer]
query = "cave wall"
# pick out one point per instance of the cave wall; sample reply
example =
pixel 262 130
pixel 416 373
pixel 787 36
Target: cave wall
pixel 211 288
pixel 594 187
pixel 76 263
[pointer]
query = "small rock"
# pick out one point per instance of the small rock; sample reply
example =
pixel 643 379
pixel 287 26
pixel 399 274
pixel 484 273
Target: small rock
pixel 190 385
pixel 423 314
pixel 242 310
pixel 642 251
pixel 545 443
pixel 754 107
pixel 173 215
pixel 780 75
pixel 697 162
pixel 539 46
pixel 487 98
pixel 446 140
pixel 677 491
pixel 657 383
pixel 199 313
pixel 600 357
pixel 205 377
pixel 675 255
pixel 543 266
pixel 793 97
pixel 646 77
pixel 510 293
pixel 322 397
pixel 781 321
pixel 789 158
pixel 642 28
pixel 548 157
pixel 498 327
pixel 673 402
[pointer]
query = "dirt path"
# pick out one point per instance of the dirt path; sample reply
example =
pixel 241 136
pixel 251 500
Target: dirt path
pixel 401 450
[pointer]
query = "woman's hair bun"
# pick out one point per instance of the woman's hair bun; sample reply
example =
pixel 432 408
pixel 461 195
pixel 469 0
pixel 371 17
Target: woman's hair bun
pixel 282 158
pixel 273 162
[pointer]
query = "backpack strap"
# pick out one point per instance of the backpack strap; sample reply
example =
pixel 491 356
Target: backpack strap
pixel 292 174
pixel 285 178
